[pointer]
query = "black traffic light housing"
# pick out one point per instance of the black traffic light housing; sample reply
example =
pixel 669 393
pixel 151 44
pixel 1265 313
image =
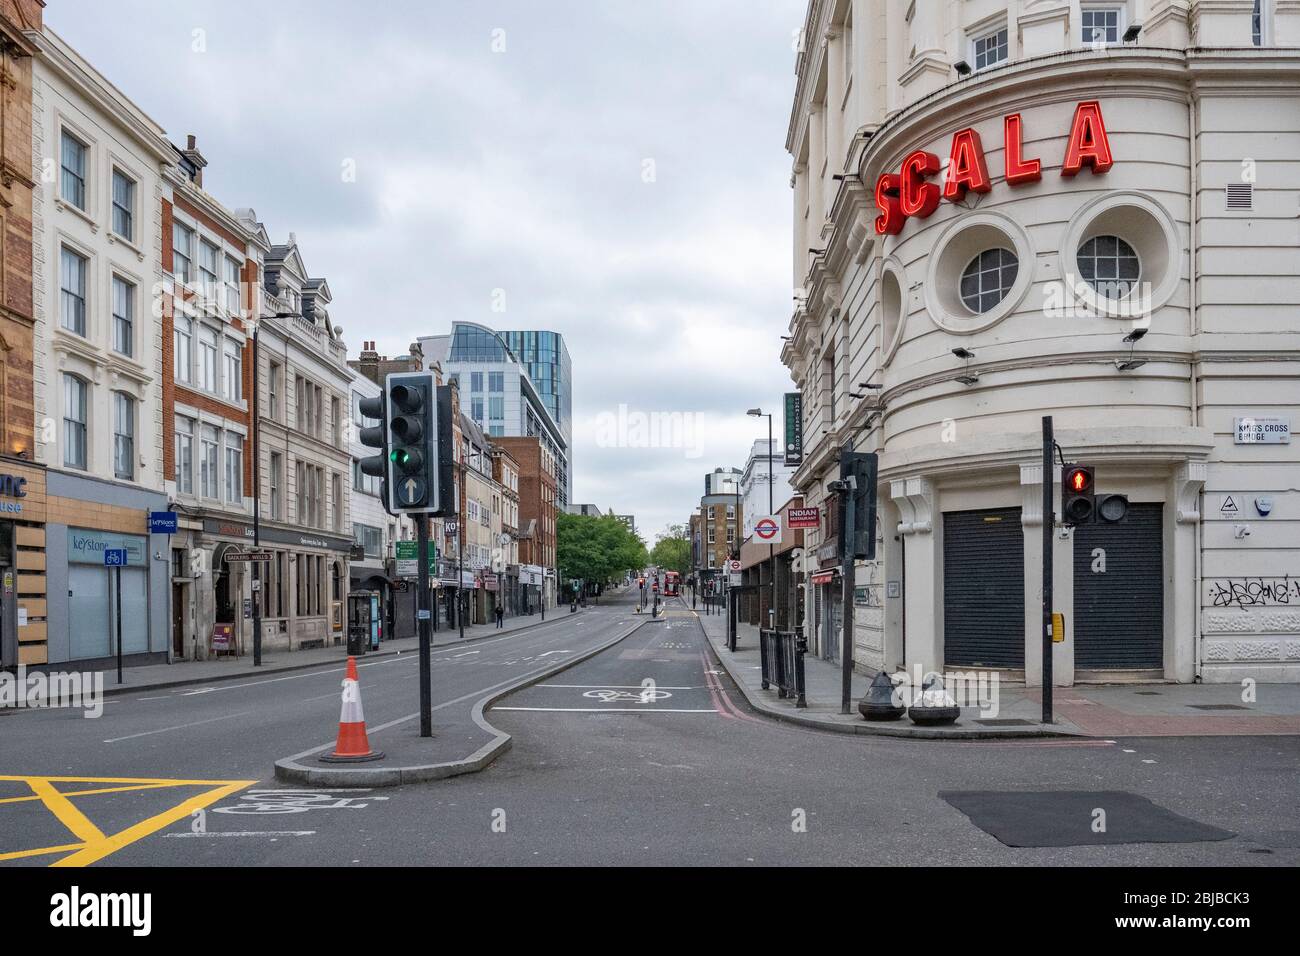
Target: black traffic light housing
pixel 1080 503
pixel 375 436
pixel 418 445
pixel 863 467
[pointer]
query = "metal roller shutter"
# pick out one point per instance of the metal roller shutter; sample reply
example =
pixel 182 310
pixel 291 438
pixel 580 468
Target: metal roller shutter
pixel 1119 614
pixel 984 588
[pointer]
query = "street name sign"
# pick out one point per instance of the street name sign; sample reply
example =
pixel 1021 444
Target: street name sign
pixel 238 557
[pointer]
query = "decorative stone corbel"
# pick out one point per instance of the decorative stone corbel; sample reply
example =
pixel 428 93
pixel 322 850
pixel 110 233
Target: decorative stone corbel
pixel 915 499
pixel 1031 498
pixel 1188 481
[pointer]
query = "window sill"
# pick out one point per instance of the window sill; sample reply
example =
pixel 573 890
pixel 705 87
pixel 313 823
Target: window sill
pixel 63 205
pixel 115 238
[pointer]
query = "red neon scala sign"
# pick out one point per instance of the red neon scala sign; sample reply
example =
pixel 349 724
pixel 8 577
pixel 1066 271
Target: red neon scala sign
pixel 906 194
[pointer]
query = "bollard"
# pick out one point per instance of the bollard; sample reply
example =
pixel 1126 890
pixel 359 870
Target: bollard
pixel 879 703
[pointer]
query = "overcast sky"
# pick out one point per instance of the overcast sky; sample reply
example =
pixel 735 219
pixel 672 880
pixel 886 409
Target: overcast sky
pixel 615 169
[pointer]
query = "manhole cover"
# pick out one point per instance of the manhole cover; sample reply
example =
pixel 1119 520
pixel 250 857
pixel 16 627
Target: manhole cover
pixel 1076 818
pixel 1218 707
pixel 1004 722
pixel 1146 693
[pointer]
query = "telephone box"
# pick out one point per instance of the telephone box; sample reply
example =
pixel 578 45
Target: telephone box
pixel 363 621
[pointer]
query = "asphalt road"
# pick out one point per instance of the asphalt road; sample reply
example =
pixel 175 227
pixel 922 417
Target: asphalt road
pixel 644 754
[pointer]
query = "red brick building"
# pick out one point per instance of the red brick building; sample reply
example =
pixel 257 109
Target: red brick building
pixel 538 493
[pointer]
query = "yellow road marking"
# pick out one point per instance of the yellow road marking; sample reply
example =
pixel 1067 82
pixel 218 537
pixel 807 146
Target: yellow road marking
pixel 87 793
pixel 97 850
pixel 19 854
pixel 95 844
pixel 62 807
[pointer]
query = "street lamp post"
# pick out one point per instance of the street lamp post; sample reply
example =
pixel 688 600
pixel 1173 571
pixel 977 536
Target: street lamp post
pixel 771 507
pixel 253 324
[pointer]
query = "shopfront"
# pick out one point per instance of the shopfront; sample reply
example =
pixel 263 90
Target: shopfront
pixel 86 517
pixel 303 587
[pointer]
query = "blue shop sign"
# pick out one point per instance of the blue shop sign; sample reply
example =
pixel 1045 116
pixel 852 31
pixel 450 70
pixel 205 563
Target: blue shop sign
pixel 162 522
pixel 88 547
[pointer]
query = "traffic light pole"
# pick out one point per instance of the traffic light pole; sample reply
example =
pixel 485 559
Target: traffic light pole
pixel 424 615
pixel 846 650
pixel 1049 521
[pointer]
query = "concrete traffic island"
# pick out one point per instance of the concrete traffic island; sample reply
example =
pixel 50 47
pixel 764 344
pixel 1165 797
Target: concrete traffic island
pixel 463 741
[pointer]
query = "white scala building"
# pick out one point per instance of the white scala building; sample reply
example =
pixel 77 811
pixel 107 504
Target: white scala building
pixel 990 199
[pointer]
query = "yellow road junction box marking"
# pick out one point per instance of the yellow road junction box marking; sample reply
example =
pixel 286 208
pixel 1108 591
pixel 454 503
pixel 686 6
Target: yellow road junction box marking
pixel 93 844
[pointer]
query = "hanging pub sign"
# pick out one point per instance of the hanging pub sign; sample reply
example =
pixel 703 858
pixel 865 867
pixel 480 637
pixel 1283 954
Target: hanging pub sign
pixel 907 194
pixel 794 428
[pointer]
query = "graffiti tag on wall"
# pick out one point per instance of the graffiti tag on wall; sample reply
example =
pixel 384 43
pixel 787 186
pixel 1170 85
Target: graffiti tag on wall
pixel 1254 592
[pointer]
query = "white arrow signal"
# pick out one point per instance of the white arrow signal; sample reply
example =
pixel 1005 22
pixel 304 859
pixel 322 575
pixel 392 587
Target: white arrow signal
pixel 410 489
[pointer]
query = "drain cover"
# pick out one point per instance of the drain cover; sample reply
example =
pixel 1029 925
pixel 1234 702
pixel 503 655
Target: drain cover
pixel 1218 706
pixel 1146 693
pixel 1067 818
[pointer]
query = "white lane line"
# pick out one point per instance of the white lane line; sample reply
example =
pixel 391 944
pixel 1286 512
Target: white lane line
pixel 163 730
pixel 246 833
pixel 614 710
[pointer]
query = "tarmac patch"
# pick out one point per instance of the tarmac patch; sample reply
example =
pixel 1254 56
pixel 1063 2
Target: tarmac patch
pixel 1050 818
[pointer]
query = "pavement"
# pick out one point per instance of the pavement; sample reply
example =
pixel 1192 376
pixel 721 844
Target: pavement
pixel 1014 711
pixel 182 673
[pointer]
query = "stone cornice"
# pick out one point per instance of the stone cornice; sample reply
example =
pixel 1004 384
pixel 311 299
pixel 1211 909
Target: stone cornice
pixel 52 51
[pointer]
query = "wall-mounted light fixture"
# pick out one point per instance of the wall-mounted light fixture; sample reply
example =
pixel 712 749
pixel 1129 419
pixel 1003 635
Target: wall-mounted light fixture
pixel 1127 365
pixel 967 377
pixel 962 68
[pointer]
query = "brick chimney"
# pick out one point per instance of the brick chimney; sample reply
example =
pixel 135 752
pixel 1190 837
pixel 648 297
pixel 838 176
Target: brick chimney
pixel 368 363
pixel 191 152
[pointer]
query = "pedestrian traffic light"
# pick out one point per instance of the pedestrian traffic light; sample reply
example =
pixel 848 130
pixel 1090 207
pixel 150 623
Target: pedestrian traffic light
pixel 1112 508
pixel 375 436
pixel 1078 497
pixel 418 450
pixel 860 540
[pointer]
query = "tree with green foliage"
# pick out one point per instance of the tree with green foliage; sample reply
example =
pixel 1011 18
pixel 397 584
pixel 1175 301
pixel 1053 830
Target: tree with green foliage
pixel 672 551
pixel 596 549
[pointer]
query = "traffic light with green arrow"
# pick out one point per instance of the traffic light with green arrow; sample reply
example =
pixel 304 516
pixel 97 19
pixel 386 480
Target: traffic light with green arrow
pixel 415 425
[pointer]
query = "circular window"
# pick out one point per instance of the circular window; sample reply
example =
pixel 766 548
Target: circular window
pixel 1123 278
pixel 974 278
pixel 988 278
pixel 1109 265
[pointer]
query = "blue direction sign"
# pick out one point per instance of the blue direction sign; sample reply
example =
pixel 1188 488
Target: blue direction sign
pixel 162 522
pixel 410 491
pixel 115 557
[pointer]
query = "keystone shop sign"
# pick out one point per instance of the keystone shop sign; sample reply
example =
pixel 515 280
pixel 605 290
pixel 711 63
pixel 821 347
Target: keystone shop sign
pixel 906 194
pixel 767 530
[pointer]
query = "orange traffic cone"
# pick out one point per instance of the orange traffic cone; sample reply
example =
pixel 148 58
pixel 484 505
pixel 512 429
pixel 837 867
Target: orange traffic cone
pixel 352 744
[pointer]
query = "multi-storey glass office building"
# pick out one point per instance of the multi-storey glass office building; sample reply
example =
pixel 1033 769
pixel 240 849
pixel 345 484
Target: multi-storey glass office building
pixel 546 357
pixel 497 389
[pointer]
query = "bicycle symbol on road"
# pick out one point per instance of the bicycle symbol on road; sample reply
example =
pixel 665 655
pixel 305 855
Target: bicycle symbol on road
pixel 644 696
pixel 296 801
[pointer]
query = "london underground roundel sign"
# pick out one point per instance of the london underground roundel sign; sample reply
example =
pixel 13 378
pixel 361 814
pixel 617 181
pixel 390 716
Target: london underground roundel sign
pixel 767 530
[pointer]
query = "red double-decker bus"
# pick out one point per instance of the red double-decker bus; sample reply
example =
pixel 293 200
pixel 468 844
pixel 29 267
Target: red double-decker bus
pixel 671 583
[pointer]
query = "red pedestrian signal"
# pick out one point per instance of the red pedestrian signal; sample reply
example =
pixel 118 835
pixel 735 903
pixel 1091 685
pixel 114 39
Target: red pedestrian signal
pixel 1077 498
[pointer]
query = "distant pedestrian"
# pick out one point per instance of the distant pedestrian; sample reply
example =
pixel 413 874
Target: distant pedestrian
pixel 500 615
